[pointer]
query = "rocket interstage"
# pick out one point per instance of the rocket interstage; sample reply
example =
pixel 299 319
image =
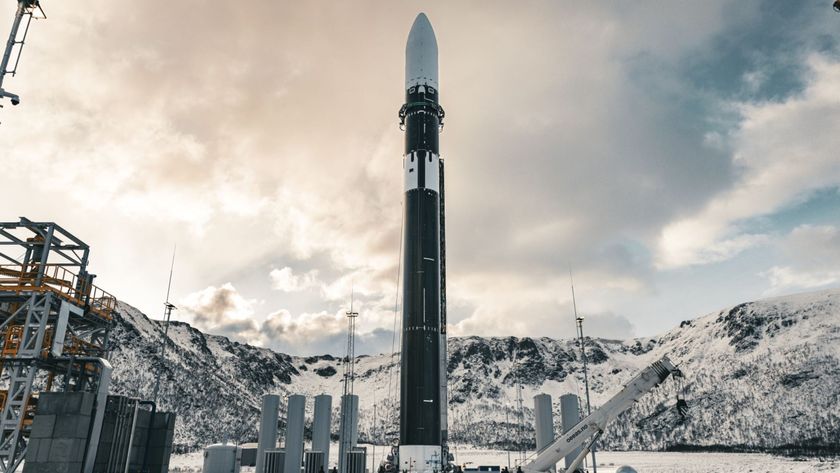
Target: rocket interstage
pixel 423 369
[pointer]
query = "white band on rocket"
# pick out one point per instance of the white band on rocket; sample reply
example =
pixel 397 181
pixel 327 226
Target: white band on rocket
pixel 413 166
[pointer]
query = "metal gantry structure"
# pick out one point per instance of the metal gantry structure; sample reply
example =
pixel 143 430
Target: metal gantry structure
pixel 54 325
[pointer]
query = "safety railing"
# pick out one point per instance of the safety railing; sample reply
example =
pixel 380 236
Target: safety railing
pixel 58 280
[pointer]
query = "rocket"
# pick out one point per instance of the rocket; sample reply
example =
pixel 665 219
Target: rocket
pixel 423 397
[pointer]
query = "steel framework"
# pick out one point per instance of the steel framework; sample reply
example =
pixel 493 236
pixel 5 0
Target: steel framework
pixel 53 323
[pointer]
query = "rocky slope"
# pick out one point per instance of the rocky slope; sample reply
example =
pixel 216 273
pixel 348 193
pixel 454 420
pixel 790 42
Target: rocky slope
pixel 761 374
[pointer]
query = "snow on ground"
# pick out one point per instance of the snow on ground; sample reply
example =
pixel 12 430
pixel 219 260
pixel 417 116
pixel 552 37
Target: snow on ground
pixel 661 462
pixel 608 462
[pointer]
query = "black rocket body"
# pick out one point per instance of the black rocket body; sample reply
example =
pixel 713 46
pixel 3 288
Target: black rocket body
pixel 422 383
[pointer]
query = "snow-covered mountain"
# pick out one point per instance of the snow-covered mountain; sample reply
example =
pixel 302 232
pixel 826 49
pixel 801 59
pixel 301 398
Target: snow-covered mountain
pixel 761 374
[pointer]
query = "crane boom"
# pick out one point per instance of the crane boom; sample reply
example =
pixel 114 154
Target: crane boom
pixel 595 423
pixel 25 9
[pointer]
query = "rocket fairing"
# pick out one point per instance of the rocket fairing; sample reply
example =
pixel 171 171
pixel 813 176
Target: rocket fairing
pixel 423 376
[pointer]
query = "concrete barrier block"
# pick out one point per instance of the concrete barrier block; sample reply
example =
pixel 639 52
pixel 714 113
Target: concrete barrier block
pixel 35 467
pixel 32 449
pixel 65 426
pixel 72 403
pixel 83 427
pixel 42 426
pixel 44 450
pixel 71 426
pixel 79 446
pixel 61 451
pixel 48 403
pixel 87 403
pixel 62 467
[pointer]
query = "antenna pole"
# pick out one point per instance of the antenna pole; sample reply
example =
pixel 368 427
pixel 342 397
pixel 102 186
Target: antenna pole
pixel 574 302
pixel 350 368
pixel 349 376
pixel 579 323
pixel 507 445
pixel 167 314
pixel 171 270
pixel 521 439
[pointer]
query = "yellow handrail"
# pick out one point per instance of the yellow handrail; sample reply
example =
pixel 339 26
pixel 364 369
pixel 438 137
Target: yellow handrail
pixel 57 279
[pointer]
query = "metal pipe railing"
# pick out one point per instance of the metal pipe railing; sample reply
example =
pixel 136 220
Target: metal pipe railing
pixel 57 279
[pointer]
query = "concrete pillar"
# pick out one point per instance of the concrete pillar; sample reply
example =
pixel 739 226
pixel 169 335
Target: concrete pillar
pixel 294 434
pixel 321 430
pixel 268 429
pixel 348 426
pixel 570 415
pixel 544 420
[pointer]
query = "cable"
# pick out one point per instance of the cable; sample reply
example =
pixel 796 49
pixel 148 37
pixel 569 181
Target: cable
pixel 396 309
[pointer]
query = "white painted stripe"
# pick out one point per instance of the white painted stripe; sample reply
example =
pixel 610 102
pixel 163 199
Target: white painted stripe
pixel 432 164
pixel 431 168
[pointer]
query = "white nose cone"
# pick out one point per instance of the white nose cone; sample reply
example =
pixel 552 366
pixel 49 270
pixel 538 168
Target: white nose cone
pixel 421 54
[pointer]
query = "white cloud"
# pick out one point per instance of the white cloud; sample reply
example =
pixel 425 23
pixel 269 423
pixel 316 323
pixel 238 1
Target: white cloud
pixel 684 243
pixel 285 280
pixel 497 304
pixel 814 246
pixel 217 303
pixel 784 151
pixel 283 327
pixel 812 254
pixel 786 278
pixel 222 310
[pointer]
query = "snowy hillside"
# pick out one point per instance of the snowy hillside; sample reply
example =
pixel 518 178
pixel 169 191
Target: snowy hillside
pixel 761 374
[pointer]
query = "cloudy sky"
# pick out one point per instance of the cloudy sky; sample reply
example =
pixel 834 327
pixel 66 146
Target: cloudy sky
pixel 678 156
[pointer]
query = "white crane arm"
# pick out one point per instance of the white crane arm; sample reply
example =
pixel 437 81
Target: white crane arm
pixel 596 422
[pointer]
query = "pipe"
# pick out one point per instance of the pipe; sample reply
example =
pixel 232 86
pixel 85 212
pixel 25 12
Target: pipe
pixel 131 438
pixel 116 438
pixel 148 434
